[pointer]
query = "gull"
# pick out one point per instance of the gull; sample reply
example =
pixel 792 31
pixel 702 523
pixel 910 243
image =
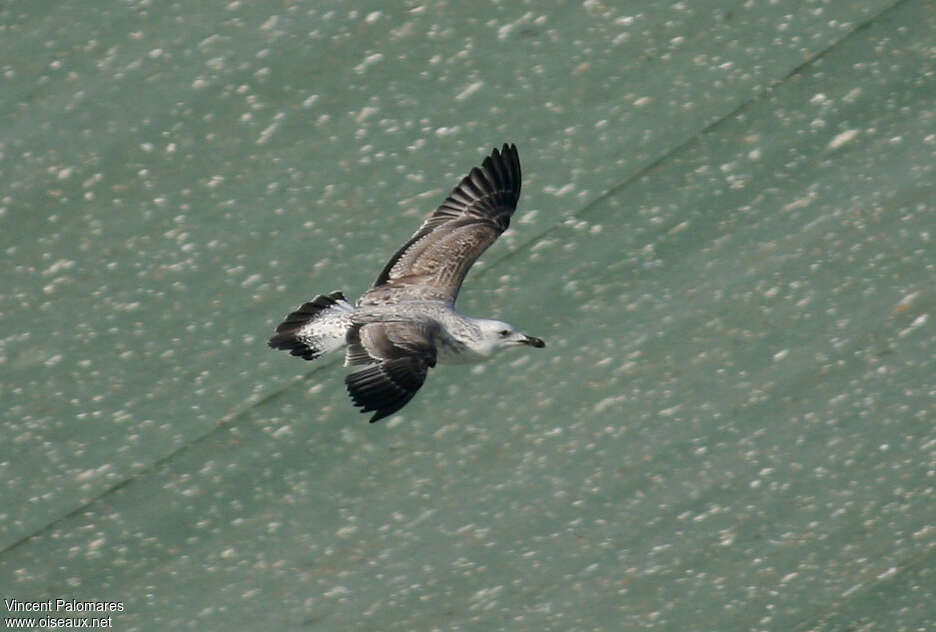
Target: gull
pixel 406 322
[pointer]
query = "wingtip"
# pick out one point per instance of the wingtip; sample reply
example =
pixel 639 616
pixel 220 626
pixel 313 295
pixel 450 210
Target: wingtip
pixel 385 388
pixel 377 416
pixel 501 170
pixel 508 151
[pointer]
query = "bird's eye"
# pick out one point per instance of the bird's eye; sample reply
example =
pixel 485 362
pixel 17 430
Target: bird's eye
pixel 504 333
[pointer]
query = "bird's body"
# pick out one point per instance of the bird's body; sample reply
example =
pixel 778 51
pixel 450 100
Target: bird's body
pixel 460 339
pixel 407 323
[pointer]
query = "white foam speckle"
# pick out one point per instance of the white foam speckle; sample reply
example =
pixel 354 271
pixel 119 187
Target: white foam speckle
pixel 529 217
pixel 842 138
pixel 918 322
pixel 469 90
pixel 369 61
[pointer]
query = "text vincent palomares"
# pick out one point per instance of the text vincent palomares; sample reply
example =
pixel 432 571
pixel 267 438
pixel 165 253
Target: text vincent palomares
pixel 63 605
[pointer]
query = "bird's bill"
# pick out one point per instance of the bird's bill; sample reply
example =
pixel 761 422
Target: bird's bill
pixel 533 342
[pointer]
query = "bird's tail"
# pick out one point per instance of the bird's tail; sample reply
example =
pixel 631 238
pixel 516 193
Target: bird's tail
pixel 317 327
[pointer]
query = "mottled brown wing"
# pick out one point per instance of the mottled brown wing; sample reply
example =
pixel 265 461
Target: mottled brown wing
pixel 435 260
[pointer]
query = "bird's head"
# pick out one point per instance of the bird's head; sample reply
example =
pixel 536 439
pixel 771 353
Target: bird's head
pixel 497 335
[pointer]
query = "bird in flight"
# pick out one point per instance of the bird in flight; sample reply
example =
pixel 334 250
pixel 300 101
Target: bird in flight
pixel 406 323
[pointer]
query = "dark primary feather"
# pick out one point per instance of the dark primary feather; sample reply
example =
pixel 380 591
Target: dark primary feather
pixel 386 387
pixel 437 257
pixel 400 354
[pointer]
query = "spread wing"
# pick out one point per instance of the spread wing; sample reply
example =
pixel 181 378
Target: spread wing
pixel 397 355
pixel 435 260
